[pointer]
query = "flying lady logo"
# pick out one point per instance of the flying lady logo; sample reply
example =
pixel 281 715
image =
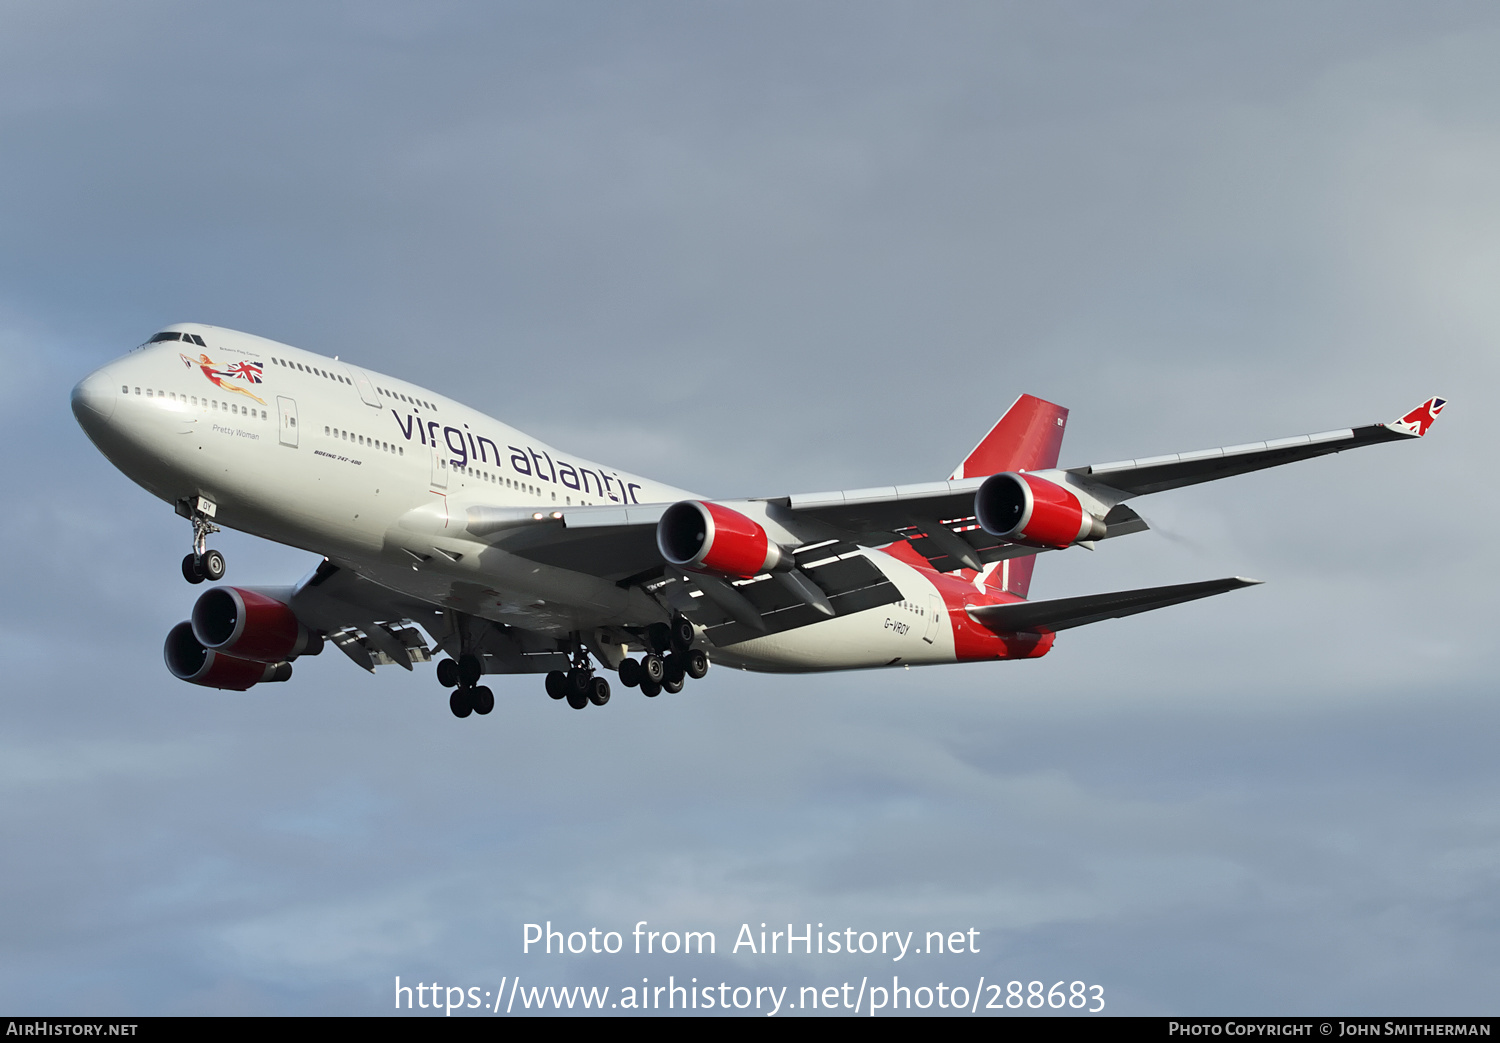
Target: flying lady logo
pixel 250 372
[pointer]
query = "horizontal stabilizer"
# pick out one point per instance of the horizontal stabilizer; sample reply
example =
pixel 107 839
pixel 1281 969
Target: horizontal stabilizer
pixel 1062 613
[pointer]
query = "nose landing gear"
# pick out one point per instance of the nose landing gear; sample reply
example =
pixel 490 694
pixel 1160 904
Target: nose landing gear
pixel 202 564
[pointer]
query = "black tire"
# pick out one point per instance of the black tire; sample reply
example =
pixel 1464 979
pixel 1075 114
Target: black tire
pixel 673 687
pixel 577 700
pixel 557 684
pixel 650 689
pixel 580 682
pixel 599 694
pixel 659 637
pixel 470 669
pixel 697 664
pixel 630 672
pixel 447 673
pixel 212 566
pixel 653 669
pixel 190 569
pixel 675 668
pixel 682 634
pixel 483 700
pixel 459 703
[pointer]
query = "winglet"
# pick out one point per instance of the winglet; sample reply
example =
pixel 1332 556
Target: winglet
pixel 1420 419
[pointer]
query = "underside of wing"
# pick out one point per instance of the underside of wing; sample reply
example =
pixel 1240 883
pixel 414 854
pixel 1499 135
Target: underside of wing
pixel 370 623
pixel 1063 613
pixel 843 578
pixel 376 626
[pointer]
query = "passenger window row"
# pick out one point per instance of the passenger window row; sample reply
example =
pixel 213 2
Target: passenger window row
pixel 369 443
pixel 495 479
pixel 232 408
pixel 313 370
pixel 406 398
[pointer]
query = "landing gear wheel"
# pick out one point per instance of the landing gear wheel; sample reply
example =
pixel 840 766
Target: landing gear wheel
pixel 212 566
pixel 579 682
pixel 673 687
pixel 482 699
pixel 650 689
pixel 653 669
pixel 557 684
pixel 697 663
pixel 190 569
pixel 599 692
pixel 577 700
pixel 459 703
pixel 659 636
pixel 630 672
pixel 447 673
pixel 682 634
pixel 675 669
pixel 470 668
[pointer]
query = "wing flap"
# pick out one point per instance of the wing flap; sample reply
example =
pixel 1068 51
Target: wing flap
pixel 1063 613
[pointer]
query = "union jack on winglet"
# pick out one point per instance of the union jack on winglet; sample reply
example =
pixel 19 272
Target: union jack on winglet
pixel 1420 419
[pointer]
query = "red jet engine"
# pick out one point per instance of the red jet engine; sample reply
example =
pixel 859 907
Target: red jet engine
pixel 1023 508
pixel 706 537
pixel 190 661
pixel 238 638
pixel 251 625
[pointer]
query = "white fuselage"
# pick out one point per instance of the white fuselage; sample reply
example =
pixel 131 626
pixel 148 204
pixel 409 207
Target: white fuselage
pixel 377 474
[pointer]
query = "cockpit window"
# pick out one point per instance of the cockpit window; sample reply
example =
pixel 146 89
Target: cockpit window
pixel 191 338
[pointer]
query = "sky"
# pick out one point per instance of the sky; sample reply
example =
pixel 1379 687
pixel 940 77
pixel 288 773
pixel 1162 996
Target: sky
pixel 755 249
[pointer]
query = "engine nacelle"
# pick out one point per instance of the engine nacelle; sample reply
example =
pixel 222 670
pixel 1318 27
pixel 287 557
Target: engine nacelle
pixel 190 661
pixel 705 537
pixel 1026 509
pixel 249 625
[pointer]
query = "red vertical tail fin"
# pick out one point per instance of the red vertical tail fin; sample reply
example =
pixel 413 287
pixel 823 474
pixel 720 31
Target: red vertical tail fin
pixel 1027 438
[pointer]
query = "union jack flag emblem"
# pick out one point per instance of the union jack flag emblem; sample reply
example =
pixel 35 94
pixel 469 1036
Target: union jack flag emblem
pixel 1420 419
pixel 250 371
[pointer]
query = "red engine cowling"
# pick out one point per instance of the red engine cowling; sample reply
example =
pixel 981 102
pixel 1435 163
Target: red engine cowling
pixel 705 537
pixel 190 661
pixel 1026 509
pixel 251 625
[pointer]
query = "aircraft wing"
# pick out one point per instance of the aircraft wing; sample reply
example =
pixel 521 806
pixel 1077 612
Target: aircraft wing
pixel 375 625
pixel 369 623
pixel 1062 613
pixel 936 518
pixel 1158 473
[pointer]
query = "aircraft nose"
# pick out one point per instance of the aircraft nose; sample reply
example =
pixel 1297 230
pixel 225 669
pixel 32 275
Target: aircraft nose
pixel 95 397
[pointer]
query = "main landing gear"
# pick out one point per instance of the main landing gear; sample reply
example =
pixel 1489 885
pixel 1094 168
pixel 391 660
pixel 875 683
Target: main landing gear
pixel 469 696
pixel 579 685
pixel 202 564
pixel 666 667
pixel 670 661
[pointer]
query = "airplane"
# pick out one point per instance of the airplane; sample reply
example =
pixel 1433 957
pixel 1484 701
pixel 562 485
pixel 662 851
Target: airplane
pixel 445 532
